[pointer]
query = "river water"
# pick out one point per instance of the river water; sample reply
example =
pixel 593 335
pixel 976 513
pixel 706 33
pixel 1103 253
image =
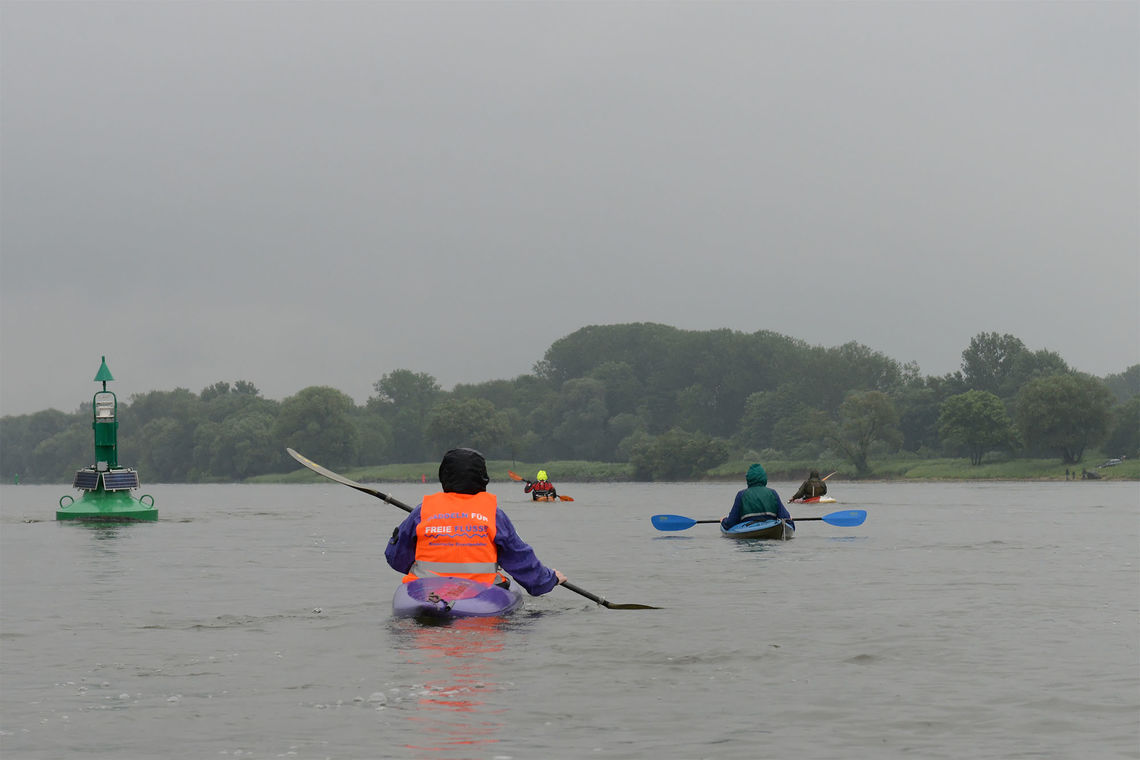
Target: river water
pixel 995 620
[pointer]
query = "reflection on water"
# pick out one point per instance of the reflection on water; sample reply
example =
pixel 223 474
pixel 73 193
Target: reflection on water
pixel 100 530
pixel 756 545
pixel 458 663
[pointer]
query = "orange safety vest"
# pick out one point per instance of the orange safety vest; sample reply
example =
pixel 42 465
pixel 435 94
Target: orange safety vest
pixel 456 537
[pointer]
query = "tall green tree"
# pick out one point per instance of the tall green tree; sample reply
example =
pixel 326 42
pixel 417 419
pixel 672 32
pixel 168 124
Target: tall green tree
pixel 580 423
pixel 763 411
pixel 1064 413
pixel 1124 385
pixel 318 422
pixel 989 361
pixel 677 455
pixel 797 435
pixel 865 417
pixel 168 454
pixel 695 408
pixel 471 423
pixel 234 438
pixel 825 376
pixel 22 444
pixel 239 446
pixel 405 398
pixel 651 349
pixel 218 389
pixel 1124 435
pixel 156 434
pixel 222 400
pixel 976 421
pixel 1030 365
pixel 918 405
pixel 59 455
pixel 621 432
pixel 623 389
pixel 373 435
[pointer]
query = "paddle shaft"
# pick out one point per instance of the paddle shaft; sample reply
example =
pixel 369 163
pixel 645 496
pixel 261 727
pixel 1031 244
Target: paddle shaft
pixel 793 519
pixel 844 518
pixel 345 481
pixel 602 600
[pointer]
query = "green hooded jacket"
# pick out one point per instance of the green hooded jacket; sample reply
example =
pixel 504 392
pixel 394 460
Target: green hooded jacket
pixel 758 498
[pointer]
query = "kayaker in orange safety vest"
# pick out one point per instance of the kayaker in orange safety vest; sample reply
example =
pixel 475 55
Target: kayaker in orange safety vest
pixel 462 533
pixel 540 487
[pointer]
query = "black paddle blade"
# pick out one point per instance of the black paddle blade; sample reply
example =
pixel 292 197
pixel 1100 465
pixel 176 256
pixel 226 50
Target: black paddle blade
pixel 612 606
pixel 602 601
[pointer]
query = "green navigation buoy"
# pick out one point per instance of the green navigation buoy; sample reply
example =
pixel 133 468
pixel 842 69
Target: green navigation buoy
pixel 106 486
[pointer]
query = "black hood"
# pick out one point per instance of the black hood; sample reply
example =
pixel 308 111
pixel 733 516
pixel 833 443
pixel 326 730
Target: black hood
pixel 463 471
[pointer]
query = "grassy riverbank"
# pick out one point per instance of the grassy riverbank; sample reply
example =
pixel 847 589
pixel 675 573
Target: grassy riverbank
pixel 899 468
pixel 909 468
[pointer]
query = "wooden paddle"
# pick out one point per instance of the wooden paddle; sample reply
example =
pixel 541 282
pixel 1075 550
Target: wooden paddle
pixel 397 503
pixel 521 479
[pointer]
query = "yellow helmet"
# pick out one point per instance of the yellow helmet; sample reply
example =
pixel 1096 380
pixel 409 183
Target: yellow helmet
pixel 541 475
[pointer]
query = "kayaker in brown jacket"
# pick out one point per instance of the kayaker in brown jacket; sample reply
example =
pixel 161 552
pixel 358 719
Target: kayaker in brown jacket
pixel 810 488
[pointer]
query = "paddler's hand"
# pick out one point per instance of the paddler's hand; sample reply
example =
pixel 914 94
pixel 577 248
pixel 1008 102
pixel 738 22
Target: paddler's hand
pixel 561 578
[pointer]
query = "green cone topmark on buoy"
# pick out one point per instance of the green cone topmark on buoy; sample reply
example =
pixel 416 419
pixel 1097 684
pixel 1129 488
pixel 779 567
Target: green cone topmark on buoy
pixel 105 485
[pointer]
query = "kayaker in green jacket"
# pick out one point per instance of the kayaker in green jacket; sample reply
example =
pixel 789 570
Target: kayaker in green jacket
pixel 756 501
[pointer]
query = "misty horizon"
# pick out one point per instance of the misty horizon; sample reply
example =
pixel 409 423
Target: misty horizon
pixel 282 394
pixel 301 194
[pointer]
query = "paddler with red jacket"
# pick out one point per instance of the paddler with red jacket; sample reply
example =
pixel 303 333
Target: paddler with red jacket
pixel 542 487
pixel 462 533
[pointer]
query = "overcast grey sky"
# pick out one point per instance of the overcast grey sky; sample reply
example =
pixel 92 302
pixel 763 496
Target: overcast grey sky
pixel 318 193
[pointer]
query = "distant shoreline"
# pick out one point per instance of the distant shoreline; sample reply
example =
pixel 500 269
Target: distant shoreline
pixel 899 470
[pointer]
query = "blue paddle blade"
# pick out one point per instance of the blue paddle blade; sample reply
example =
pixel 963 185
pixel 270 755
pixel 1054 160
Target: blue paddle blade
pixel 672 522
pixel 846 518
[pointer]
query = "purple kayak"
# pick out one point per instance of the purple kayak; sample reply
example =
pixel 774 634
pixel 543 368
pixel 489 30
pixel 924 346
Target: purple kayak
pixel 444 598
